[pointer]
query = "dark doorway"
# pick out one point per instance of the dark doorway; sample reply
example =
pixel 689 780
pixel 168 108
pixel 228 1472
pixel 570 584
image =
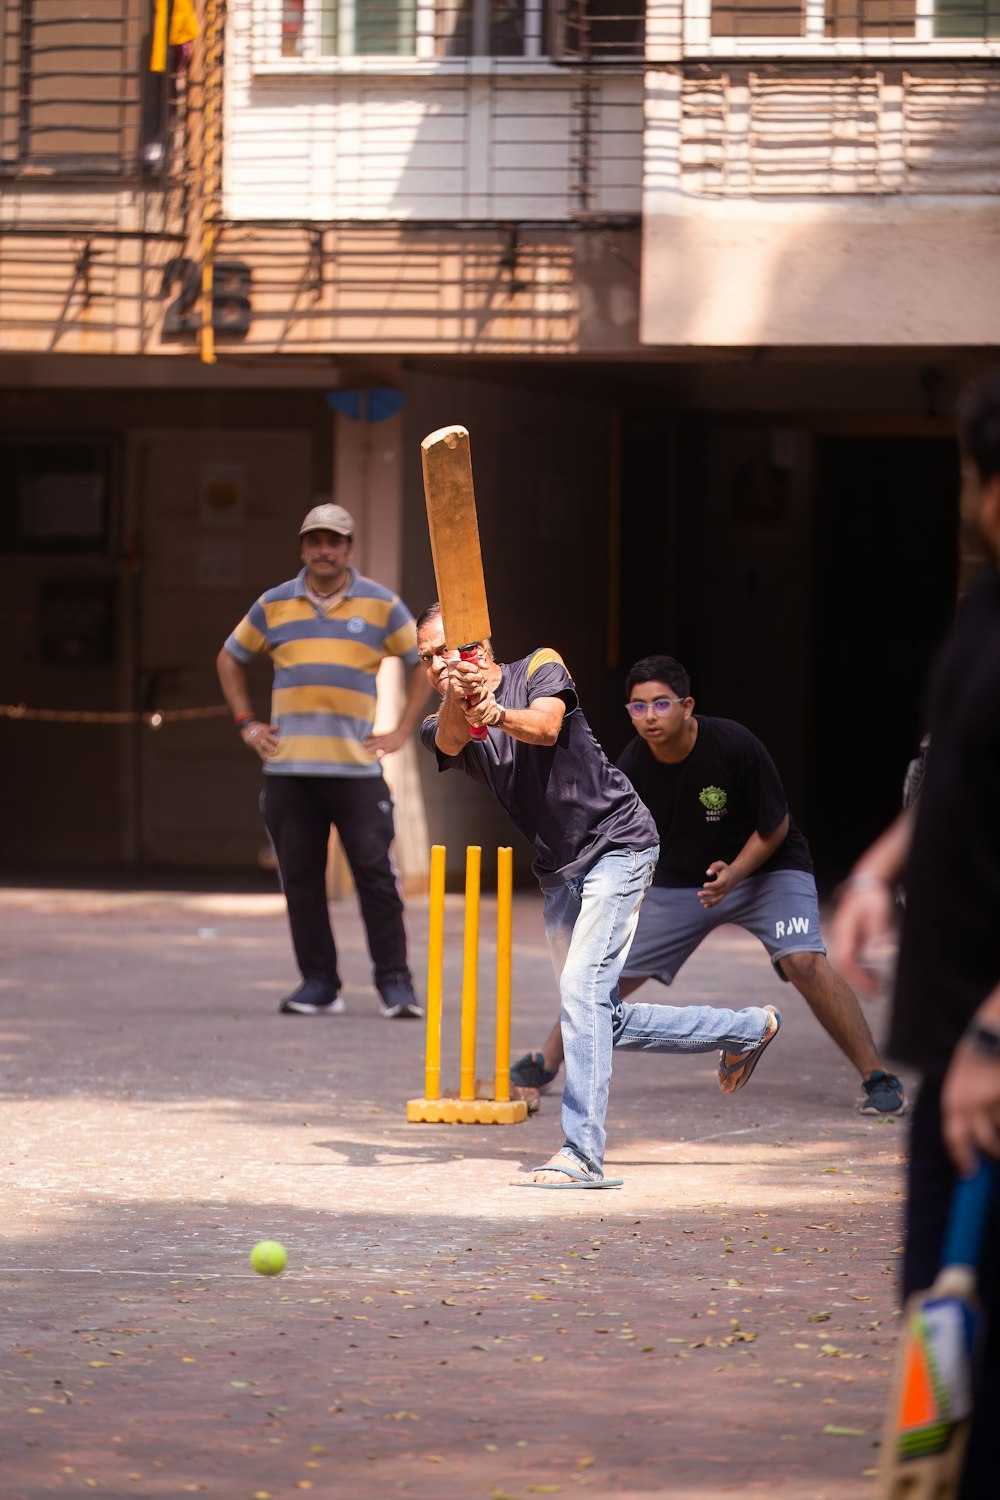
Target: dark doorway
pixel 885 568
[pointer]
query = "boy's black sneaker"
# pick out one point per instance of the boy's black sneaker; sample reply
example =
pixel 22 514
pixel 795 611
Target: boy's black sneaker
pixel 883 1094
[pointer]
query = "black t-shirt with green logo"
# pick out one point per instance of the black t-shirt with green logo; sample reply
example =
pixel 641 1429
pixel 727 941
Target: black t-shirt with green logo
pixel 707 805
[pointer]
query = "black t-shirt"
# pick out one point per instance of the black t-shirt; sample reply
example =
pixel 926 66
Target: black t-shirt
pixel 707 805
pixel 949 957
pixel 567 799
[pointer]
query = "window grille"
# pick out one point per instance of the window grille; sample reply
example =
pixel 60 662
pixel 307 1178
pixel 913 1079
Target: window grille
pixel 76 94
pixel 567 30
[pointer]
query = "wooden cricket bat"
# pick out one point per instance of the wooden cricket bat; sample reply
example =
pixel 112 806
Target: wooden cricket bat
pixel 927 1424
pixel 454 529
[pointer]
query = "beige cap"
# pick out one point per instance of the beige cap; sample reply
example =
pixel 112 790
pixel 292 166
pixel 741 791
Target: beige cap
pixel 328 518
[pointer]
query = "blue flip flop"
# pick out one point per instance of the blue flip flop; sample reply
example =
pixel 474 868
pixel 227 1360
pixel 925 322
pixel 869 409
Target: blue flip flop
pixel 578 1180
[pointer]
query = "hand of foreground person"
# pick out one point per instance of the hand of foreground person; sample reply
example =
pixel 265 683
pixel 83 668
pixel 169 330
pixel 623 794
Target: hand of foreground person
pixel 970 1108
pixel 862 924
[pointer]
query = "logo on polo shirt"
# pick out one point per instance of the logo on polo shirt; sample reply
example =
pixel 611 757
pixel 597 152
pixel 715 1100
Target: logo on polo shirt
pixel 356 625
pixel 713 799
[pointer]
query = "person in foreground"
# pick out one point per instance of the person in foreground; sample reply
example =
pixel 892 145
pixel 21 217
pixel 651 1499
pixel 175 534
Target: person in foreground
pixel 945 1017
pixel 596 849
pixel 326 631
pixel 721 813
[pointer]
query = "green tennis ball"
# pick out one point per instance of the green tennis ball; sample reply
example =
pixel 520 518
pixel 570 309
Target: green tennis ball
pixel 268 1257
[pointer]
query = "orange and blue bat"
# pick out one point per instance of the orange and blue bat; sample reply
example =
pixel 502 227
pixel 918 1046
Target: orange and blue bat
pixel 927 1426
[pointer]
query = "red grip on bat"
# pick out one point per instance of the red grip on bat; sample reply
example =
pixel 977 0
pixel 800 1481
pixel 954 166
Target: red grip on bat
pixel 468 653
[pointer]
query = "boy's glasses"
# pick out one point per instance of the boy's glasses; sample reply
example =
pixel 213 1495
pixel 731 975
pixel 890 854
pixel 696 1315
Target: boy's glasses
pixel 639 710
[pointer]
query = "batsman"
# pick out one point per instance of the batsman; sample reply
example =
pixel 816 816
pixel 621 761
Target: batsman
pixel 519 730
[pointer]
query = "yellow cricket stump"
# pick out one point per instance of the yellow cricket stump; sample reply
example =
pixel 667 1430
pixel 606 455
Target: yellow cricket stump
pixel 435 976
pixel 505 934
pixel 467 1109
pixel 470 974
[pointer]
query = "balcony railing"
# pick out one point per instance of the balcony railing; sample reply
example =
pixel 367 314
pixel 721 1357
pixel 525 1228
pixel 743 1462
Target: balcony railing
pixel 389 34
pixel 794 131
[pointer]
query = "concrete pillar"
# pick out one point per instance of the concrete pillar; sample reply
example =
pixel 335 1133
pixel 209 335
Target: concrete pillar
pixel 368 481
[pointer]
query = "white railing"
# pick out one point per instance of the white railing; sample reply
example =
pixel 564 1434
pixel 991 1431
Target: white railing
pixel 806 132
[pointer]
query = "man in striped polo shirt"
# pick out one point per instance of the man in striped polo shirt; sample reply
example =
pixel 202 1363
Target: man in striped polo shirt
pixel 326 632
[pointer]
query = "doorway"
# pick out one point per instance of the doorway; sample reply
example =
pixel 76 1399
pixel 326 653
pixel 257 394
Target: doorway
pixel 218 521
pixel 885 565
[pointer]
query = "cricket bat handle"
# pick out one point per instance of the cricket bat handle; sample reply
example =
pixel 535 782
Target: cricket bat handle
pixel 468 653
pixel 968 1217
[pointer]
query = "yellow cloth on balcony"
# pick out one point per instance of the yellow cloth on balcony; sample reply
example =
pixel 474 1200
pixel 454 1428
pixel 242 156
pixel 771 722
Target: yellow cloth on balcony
pixel 173 25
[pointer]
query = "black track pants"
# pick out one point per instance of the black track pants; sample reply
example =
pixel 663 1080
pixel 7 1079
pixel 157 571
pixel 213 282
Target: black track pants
pixel 298 813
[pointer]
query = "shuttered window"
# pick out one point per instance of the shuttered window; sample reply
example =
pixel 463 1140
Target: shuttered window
pixel 75 95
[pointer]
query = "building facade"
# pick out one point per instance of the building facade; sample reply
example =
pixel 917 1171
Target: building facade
pixel 701 279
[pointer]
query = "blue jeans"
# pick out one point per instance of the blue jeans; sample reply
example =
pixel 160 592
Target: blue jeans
pixel 687 1028
pixel 590 922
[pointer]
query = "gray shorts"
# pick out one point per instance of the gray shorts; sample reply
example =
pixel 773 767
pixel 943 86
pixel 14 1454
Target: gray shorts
pixel 782 909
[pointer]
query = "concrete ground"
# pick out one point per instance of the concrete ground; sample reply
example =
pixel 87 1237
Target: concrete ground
pixel 722 1325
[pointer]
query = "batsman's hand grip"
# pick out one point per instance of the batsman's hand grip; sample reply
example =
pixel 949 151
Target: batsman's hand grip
pixel 468 653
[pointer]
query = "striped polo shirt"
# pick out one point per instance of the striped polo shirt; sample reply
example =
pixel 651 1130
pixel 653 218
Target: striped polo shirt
pixel 323 700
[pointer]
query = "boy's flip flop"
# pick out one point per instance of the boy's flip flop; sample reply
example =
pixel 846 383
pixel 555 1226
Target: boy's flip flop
pixel 747 1061
pixel 578 1179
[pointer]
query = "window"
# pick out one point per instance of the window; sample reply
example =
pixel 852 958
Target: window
pixel 75 95
pixel 886 18
pixel 484 28
pixel 414 28
pixel 54 495
pixel 841 20
pixel 758 18
pixel 367 28
pixel 967 18
pixel 601 30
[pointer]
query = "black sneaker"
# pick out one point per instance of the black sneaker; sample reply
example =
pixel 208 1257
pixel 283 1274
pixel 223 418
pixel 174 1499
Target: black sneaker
pixel 314 997
pixel 530 1072
pixel 883 1094
pixel 399 1003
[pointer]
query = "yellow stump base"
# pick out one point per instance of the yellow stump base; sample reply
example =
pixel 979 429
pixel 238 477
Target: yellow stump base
pixel 466 1111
